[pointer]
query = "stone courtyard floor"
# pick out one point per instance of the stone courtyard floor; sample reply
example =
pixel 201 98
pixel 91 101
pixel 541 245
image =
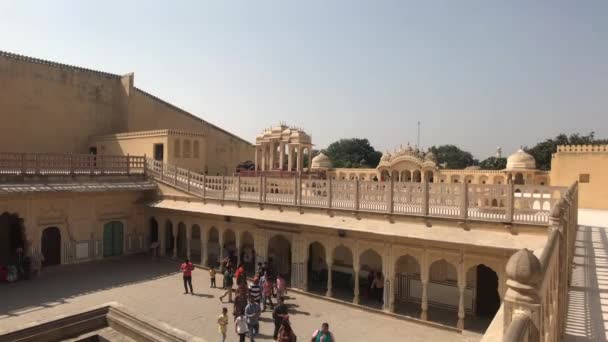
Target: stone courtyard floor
pixel 153 288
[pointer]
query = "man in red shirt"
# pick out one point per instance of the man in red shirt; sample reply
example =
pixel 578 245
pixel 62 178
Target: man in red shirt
pixel 187 269
pixel 240 274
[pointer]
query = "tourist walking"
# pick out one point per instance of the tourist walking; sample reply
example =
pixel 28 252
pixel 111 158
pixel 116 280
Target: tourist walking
pixel 379 286
pixel 241 328
pixel 286 334
pixel 240 275
pixel 252 311
pixel 187 269
pixel 267 290
pixel 240 302
pixel 278 315
pixel 212 276
pixel 222 323
pixel 323 334
pixel 281 286
pixel 255 291
pixel 228 282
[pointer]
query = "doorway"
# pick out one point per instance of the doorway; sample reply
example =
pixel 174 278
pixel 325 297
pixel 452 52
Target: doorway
pixel 159 152
pixel 112 239
pixel 487 301
pixel 51 246
pixel 11 237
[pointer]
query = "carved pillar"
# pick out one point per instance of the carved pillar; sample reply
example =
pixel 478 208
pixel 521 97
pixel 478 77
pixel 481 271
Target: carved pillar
pixel 309 157
pixel 174 229
pixel 424 278
pixel 204 253
pixel 272 151
pixel 188 241
pixel 289 158
pixel 356 268
pixel 281 155
pixel 356 290
pixel 461 315
pixel 300 159
pixel 330 262
pixel 255 158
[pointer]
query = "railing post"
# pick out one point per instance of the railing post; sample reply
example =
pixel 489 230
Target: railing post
pixel 238 187
pixel 204 185
pixel 162 171
pixel 299 190
pixel 261 186
pixel 425 198
pixel 175 175
pixel 145 165
pixel 36 166
pixel 510 202
pixel 295 190
pixel 223 187
pixel 128 164
pixel 329 192
pixel 188 186
pixel 390 195
pixel 357 194
pixel 464 204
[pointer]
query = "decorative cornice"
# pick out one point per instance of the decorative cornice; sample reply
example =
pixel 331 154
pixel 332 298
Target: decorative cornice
pixel 55 64
pixel 147 134
pixel 582 148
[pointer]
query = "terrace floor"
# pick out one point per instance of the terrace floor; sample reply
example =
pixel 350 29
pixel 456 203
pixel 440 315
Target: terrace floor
pixel 153 288
pixel 587 318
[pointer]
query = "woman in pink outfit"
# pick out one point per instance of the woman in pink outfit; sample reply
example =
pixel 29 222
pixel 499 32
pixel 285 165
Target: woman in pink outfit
pixel 281 287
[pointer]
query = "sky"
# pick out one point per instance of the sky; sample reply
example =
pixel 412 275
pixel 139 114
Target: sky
pixel 477 74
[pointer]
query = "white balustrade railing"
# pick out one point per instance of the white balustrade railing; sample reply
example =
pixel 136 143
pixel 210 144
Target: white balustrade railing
pixel 483 202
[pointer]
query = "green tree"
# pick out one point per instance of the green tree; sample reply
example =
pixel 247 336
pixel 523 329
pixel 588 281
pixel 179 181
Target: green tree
pixel 543 150
pixel 452 157
pixel 354 152
pixel 493 163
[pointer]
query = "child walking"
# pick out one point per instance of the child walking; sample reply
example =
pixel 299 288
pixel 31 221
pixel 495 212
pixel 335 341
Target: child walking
pixel 222 323
pixel 212 276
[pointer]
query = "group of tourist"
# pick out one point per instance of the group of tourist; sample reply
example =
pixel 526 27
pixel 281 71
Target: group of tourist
pixel 251 299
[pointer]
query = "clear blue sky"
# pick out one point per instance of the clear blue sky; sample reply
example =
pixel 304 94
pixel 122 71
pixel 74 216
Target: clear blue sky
pixel 478 74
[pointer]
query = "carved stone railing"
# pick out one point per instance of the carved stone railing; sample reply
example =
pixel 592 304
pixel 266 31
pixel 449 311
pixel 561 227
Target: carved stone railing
pixel 535 303
pixel 46 164
pixel 481 202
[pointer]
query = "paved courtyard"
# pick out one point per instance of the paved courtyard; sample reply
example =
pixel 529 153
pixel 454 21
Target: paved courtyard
pixel 153 288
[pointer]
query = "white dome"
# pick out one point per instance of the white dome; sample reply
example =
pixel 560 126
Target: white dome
pixel 321 161
pixel 521 160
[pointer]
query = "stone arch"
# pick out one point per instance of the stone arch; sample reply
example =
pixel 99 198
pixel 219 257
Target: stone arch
pixel 186 149
pixel 247 252
pixel 12 237
pixel 279 256
pixel 169 237
pixel 50 246
pixel 498 180
pixel 468 179
pixel 484 282
pixel 317 267
pixel 429 176
pixel 406 176
pixel 519 179
pixel 196 239
pixel 229 246
pixel 153 230
pixel 407 285
pixel 213 247
pixel 417 176
pixel 370 274
pixel 455 179
pixel 182 240
pixel 342 272
pixel 443 293
pixel 483 179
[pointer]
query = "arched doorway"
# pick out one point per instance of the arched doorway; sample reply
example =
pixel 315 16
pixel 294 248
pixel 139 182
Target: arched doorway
pixel 195 244
pixel 153 230
pixel 443 293
pixel 182 241
pixel 51 246
pixel 485 281
pixel 113 239
pixel 213 248
pixel 370 274
pixel 519 179
pixel 229 246
pixel 342 272
pixel 407 286
pixel 169 238
pixel 279 256
pixel 247 253
pixel 12 237
pixel 317 268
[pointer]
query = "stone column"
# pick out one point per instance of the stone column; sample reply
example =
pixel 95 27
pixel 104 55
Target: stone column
pixel 356 289
pixel 289 157
pixel 174 229
pixel 281 155
pixel 309 157
pixel 204 247
pixel 424 302
pixel 188 242
pixel 263 156
pixel 461 315
pixel 272 151
pixel 299 161
pixel 330 262
pixel 257 164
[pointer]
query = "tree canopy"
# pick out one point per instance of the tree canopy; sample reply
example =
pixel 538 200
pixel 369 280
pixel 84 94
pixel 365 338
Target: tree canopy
pixel 452 157
pixel 493 163
pixel 353 153
pixel 543 150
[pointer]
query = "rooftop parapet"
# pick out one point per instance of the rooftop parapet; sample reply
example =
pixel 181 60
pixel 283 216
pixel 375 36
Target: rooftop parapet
pixel 582 148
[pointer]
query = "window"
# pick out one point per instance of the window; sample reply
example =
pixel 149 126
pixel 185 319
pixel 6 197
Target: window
pixel 195 149
pixel 583 178
pixel 186 149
